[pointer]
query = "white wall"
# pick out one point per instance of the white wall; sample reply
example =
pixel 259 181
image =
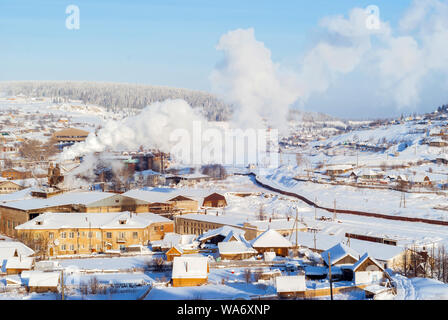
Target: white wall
pixel 365 277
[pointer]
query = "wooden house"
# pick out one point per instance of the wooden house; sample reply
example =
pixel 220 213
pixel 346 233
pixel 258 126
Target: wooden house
pixel 190 271
pixel 215 200
pixel 235 247
pixel 16 265
pixel 16 174
pixel 272 241
pixel 290 286
pixel 340 254
pixel 41 281
pixel 9 187
pixel 70 135
pixel 367 270
pixel 175 251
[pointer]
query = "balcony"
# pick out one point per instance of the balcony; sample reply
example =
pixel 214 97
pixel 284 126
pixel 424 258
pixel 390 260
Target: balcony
pixel 121 240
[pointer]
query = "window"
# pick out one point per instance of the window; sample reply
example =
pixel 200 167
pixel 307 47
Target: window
pixel 109 235
pixel 63 247
pixel 156 228
pixel 72 247
pixel 135 235
pixel 122 235
pixel 161 227
pixel 51 235
pixel 71 235
pixel 98 235
pixel 63 235
pixel 90 234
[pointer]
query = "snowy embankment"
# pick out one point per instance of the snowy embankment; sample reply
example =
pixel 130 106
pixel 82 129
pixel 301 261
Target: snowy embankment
pixel 387 202
pixel 420 289
pixel 230 291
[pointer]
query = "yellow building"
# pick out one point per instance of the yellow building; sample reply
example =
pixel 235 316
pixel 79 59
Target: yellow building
pixel 15 213
pixel 9 187
pixel 82 233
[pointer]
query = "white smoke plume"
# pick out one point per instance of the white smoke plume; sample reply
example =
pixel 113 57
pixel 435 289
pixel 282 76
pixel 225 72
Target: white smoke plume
pixel 151 128
pixel 248 78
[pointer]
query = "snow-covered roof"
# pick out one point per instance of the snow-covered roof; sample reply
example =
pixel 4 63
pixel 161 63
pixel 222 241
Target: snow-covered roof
pixel 223 231
pixel 234 247
pixel 290 283
pixel 379 251
pixel 172 239
pixel 153 196
pixel 271 239
pixel 277 224
pixel 166 194
pixel 8 247
pixel 6 253
pixel 110 220
pixel 15 196
pixel 363 259
pixel 82 198
pixel 190 267
pixel 339 252
pixel 43 279
pixel 19 263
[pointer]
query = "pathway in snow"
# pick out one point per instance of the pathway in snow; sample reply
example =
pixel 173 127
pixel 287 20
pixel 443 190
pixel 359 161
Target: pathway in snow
pixel 405 288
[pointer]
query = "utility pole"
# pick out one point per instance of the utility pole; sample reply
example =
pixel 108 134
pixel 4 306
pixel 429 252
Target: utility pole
pixel 62 284
pixel 404 199
pixel 314 231
pixel 357 153
pixel 315 208
pixel 334 212
pixel 329 274
pixel 297 232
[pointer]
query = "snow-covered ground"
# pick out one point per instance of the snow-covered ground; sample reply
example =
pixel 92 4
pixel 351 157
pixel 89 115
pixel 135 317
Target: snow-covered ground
pixel 420 289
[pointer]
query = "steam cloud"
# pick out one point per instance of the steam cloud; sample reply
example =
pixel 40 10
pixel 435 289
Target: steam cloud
pixel 152 127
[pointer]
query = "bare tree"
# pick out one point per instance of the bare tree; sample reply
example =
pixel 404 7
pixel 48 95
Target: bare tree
pixel 247 275
pixel 31 150
pixel 94 285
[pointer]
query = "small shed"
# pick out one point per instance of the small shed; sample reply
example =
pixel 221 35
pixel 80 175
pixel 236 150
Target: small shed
pixel 189 271
pixel 41 281
pixel 175 251
pixel 290 286
pixel 215 200
pixel 16 265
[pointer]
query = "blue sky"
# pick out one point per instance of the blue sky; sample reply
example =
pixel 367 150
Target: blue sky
pixel 166 42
